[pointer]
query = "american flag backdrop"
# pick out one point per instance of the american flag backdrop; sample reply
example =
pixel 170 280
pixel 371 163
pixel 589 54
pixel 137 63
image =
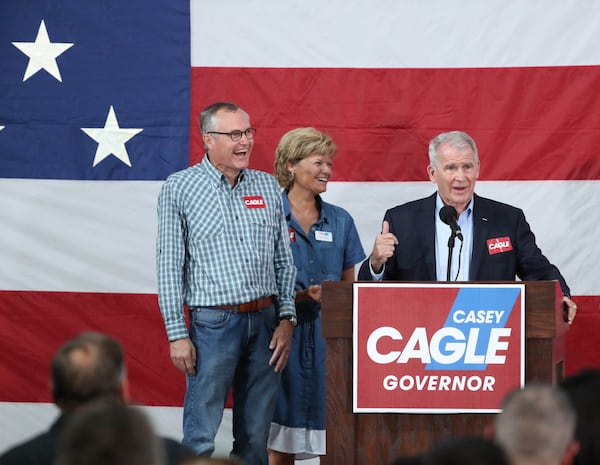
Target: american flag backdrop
pixel 99 103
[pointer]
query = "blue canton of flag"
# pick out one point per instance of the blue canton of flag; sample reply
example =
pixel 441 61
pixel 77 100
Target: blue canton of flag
pixel 94 90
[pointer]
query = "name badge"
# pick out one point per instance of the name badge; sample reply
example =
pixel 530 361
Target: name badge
pixel 324 236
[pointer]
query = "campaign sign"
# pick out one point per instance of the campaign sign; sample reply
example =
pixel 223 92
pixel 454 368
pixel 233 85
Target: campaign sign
pixel 437 348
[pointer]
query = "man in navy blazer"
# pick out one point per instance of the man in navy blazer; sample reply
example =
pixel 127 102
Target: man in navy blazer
pixel 497 243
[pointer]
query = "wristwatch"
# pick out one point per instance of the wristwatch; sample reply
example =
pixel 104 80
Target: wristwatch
pixel 291 318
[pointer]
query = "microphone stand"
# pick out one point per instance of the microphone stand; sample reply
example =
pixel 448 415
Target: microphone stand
pixel 451 241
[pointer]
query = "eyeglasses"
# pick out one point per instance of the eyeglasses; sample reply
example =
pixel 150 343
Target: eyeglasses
pixel 237 135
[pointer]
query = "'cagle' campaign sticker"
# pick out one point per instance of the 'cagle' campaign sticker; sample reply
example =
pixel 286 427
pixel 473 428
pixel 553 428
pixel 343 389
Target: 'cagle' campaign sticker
pixel 254 201
pixel 499 245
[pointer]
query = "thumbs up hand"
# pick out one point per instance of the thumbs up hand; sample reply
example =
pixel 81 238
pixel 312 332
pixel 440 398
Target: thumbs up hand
pixel 385 244
pixel 385 228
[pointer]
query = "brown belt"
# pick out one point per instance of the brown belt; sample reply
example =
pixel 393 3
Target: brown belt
pixel 253 306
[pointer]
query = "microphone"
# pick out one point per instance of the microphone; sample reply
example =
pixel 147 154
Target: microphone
pixel 449 216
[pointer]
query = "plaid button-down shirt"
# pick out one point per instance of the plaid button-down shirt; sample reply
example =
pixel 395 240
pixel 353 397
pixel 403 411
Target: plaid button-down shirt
pixel 219 245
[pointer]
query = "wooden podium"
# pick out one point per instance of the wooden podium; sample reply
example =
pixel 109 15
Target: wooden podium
pixel 360 438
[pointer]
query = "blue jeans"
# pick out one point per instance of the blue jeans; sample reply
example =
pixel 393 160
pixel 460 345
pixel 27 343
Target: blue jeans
pixel 232 350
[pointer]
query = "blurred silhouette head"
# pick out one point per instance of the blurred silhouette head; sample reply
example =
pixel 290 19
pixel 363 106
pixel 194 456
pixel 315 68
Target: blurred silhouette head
pixel 107 431
pixel 537 426
pixel 87 367
pixel 583 389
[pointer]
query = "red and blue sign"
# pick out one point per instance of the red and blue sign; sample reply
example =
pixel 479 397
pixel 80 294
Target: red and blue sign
pixel 437 348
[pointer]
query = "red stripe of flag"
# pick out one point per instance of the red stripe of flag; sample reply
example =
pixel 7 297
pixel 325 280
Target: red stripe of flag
pixel 34 324
pixel 40 321
pixel 382 119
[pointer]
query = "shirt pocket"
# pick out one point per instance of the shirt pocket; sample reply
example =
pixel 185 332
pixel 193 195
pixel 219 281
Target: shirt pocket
pixel 263 229
pixel 206 243
pixel 203 227
pixel 331 256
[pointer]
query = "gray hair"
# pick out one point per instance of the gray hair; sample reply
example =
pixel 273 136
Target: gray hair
pixel 537 424
pixel 208 116
pixel 456 139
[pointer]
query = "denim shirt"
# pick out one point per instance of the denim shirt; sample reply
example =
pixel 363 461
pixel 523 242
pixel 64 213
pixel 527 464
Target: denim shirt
pixel 331 245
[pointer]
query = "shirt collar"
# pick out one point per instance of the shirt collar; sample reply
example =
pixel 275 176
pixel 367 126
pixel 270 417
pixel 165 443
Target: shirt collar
pixel 439 203
pixel 288 212
pixel 215 176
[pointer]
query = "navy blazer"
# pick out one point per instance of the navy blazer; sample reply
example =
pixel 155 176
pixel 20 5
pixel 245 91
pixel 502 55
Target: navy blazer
pixel 413 223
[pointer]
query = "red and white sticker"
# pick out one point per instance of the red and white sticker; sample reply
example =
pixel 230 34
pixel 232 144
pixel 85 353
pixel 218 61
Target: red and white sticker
pixel 254 201
pixel 292 233
pixel 499 245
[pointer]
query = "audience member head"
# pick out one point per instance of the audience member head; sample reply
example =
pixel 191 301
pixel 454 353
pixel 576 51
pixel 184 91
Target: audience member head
pixel 466 451
pixel 296 145
pixel 537 426
pixel 583 389
pixel 86 367
pixel 109 432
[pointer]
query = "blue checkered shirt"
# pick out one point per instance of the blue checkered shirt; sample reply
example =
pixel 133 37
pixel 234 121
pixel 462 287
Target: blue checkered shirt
pixel 213 248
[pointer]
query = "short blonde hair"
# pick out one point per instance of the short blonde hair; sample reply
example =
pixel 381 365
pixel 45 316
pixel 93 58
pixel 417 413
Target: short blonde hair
pixel 296 145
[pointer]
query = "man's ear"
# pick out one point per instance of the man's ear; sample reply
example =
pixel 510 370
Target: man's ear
pixel 431 173
pixel 207 141
pixel 124 390
pixel 572 451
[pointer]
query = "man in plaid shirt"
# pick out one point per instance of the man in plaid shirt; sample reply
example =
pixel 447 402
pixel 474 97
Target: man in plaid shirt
pixel 223 251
